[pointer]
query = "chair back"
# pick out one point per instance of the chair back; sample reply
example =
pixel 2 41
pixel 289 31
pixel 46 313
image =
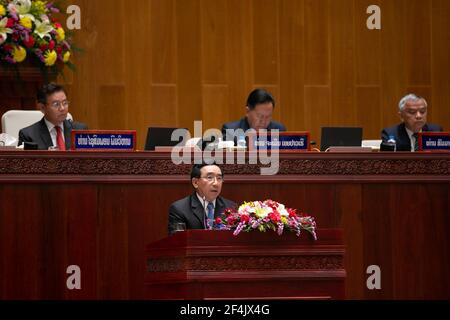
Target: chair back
pixel 14 120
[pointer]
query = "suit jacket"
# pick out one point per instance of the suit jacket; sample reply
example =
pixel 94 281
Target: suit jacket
pixel 191 211
pixel 38 133
pixel 403 143
pixel 244 125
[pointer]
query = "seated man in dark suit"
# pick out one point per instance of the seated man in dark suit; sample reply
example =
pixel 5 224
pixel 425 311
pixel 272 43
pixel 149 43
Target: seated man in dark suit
pixel 413 112
pixel 199 209
pixel 53 130
pixel 260 105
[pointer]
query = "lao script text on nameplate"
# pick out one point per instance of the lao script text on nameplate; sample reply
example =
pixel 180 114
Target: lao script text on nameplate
pixel 434 141
pixel 104 140
pixel 284 141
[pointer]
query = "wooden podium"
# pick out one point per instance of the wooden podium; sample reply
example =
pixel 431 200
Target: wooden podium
pixel 201 264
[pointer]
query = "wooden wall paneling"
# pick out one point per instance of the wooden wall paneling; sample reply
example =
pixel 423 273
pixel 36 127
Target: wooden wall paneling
pixel 343 112
pixel 21 278
pixel 113 228
pixel 139 70
pixel 239 51
pixel 163 109
pixel 438 223
pixel 393 51
pixel 142 203
pixel 265 42
pixel 367 44
pixel 292 69
pixel 440 63
pixel 112 111
pixel 80 211
pixel 378 231
pixel 408 239
pixel 163 42
pixel 317 111
pixel 349 215
pixel 83 92
pixel 317 47
pixel 111 42
pixel 368 109
pixel 189 93
pixel 418 42
pixel 216 104
pixel 214 41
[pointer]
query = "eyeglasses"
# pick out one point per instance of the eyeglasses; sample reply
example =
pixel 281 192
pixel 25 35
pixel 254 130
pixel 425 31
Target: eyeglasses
pixel 212 178
pixel 58 104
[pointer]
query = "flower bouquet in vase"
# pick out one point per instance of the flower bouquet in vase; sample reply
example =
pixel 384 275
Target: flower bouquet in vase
pixel 265 215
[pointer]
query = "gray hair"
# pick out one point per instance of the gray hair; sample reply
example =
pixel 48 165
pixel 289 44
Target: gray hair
pixel 410 96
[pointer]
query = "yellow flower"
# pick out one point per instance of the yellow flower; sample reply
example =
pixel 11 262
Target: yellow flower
pixel 2 10
pixel 19 54
pixel 66 56
pixel 50 58
pixel 26 22
pixel 60 34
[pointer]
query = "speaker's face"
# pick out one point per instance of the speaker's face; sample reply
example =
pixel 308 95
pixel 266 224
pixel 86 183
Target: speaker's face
pixel 414 114
pixel 209 185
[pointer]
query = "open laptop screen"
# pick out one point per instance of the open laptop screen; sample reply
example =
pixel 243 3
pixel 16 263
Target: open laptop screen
pixel 160 136
pixel 340 137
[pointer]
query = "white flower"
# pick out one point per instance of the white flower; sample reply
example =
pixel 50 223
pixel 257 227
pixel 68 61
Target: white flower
pixel 22 7
pixel 282 210
pixel 43 29
pixel 3 30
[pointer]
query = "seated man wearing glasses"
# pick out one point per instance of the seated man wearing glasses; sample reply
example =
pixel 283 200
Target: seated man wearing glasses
pixel 198 210
pixel 53 130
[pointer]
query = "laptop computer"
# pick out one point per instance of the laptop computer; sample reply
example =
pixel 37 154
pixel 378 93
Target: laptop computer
pixel 340 137
pixel 161 136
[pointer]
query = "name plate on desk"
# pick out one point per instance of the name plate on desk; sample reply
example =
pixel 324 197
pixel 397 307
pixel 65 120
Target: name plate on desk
pixel 285 141
pixel 104 140
pixel 434 141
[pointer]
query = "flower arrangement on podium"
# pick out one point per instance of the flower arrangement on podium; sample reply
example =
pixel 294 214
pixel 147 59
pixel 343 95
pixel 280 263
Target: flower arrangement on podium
pixel 29 31
pixel 263 216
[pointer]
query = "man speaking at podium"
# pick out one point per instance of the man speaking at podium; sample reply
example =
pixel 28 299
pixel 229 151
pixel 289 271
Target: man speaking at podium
pixel 198 210
pixel 53 130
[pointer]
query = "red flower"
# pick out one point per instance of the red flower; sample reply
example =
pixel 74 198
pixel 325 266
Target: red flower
pixel 274 216
pixel 59 50
pixel 30 42
pixel 245 218
pixel 218 220
pixel 292 212
pixel 56 24
pixel 43 47
pixel 231 220
pixel 51 44
pixel 7 47
pixel 9 23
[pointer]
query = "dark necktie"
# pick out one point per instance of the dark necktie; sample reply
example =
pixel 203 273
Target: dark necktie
pixel 210 208
pixel 59 139
pixel 416 141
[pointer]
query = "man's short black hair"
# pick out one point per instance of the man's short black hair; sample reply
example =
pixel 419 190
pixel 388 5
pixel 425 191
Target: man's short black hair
pixel 196 169
pixel 46 90
pixel 259 96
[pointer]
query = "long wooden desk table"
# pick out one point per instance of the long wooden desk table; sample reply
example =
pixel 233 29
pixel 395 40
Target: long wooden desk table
pixel 99 210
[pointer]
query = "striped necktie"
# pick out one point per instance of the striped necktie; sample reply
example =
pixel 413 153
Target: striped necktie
pixel 210 208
